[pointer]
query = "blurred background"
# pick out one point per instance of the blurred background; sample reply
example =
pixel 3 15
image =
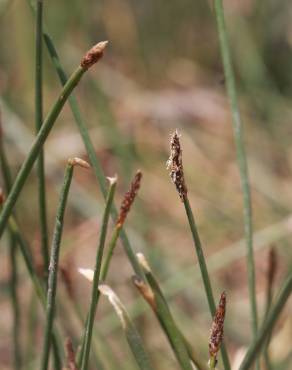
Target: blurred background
pixel 162 70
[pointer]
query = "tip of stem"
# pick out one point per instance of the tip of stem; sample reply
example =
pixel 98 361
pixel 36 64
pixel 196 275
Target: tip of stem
pixel 93 55
pixel 87 273
pixel 143 262
pixel 112 180
pixel 78 162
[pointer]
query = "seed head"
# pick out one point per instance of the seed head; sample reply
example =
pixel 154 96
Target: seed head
pixel 217 328
pixel 70 354
pixel 78 162
pixel 145 291
pixel 129 198
pixel 93 55
pixel 174 164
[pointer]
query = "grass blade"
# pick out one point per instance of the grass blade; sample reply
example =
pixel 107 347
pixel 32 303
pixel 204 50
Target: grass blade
pixel 87 61
pixel 241 157
pixel 38 123
pixel 267 327
pixel 133 338
pixel 96 276
pixel 54 260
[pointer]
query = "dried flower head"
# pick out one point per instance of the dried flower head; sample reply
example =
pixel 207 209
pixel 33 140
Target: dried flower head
pixel 78 162
pixel 174 164
pixel 93 55
pixel 145 291
pixel 216 336
pixel 129 199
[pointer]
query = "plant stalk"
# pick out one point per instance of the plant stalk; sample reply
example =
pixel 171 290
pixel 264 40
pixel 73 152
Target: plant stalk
pixel 38 124
pixel 53 267
pixel 96 278
pixel 268 325
pixel 241 157
pixel 37 146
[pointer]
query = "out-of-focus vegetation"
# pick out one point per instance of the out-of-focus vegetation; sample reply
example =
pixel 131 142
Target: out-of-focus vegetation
pixel 162 70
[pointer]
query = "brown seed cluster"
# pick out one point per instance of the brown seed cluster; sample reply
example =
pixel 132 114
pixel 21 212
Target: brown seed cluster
pixel 93 55
pixel 174 164
pixel 129 199
pixel 217 329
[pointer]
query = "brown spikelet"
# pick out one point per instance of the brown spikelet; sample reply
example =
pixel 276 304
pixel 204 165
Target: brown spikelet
pixel 93 55
pixel 217 328
pixel 145 291
pixel 129 199
pixel 174 164
pixel 272 267
pixel 78 162
pixel 70 355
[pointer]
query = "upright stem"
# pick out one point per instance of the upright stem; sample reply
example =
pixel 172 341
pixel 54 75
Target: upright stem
pixel 241 157
pixel 17 356
pixel 37 146
pixel 53 268
pixel 109 255
pixel 268 325
pixel 96 278
pixel 204 272
pixel 98 171
pixel 38 124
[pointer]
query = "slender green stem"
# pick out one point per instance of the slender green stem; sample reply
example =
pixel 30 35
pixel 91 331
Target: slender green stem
pixel 268 325
pixel 17 356
pixel 15 305
pixel 112 245
pixel 241 157
pixel 204 272
pixel 38 124
pixel 212 363
pixel 36 147
pixel 96 277
pixel 53 267
pixel 98 171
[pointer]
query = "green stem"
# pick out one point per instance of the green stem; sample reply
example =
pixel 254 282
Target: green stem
pixel 38 124
pixel 96 278
pixel 268 325
pixel 15 305
pixel 204 272
pixel 241 157
pixel 17 357
pixel 109 255
pixel 36 147
pixel 53 267
pixel 212 363
pixel 98 171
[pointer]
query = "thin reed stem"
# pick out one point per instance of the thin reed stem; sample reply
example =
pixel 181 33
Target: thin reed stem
pixel 98 171
pixel 268 325
pixel 53 267
pixel 38 123
pixel 90 58
pixel 241 158
pixel 96 278
pixel 112 245
pixel 17 355
pixel 204 272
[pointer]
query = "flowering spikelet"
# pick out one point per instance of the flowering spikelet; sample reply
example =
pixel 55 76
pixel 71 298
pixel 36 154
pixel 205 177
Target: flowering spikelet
pixel 129 199
pixel 71 364
pixel 216 336
pixel 93 55
pixel 174 164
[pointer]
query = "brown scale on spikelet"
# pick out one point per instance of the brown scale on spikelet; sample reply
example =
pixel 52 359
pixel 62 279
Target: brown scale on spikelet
pixel 70 355
pixel 93 55
pixel 129 199
pixel 174 164
pixel 217 329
